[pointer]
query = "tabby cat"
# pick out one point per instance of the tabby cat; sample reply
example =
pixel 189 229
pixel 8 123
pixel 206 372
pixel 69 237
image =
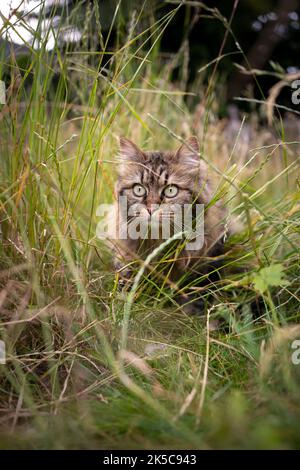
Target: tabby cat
pixel 152 180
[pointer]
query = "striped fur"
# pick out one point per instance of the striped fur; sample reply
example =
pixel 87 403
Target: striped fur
pixel 156 170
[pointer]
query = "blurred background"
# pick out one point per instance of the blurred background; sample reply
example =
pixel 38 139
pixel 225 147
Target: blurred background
pixel 266 36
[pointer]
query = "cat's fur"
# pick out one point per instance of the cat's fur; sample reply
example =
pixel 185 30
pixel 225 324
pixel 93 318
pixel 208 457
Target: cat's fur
pixel 155 170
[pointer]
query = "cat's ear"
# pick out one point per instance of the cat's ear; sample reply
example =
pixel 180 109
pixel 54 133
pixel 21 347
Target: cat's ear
pixel 129 151
pixel 189 151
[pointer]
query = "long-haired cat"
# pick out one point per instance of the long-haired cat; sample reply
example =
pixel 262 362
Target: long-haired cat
pixel 150 181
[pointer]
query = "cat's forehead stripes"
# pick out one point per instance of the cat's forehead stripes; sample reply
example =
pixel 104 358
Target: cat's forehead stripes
pixel 157 169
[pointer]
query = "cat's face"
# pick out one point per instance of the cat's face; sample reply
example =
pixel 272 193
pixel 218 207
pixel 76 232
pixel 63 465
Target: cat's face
pixel 155 183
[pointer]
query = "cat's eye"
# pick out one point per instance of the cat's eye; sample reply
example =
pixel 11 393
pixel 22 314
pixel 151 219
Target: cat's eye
pixel 139 190
pixel 171 190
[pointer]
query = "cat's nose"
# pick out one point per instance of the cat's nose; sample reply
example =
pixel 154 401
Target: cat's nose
pixel 152 204
pixel 150 209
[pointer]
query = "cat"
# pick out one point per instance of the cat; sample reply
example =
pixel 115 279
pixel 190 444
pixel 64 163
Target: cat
pixel 152 180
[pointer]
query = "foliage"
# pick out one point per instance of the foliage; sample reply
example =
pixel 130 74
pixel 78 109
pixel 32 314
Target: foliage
pixel 89 366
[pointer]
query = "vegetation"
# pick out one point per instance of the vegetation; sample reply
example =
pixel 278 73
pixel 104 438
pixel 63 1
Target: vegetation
pixel 89 366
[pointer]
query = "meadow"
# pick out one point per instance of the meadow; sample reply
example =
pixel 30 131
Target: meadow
pixel 87 364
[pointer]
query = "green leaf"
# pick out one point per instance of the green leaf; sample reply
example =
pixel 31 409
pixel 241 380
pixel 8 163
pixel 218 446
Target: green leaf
pixel 269 276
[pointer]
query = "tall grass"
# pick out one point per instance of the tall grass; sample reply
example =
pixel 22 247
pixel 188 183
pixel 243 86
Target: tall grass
pixel 90 366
